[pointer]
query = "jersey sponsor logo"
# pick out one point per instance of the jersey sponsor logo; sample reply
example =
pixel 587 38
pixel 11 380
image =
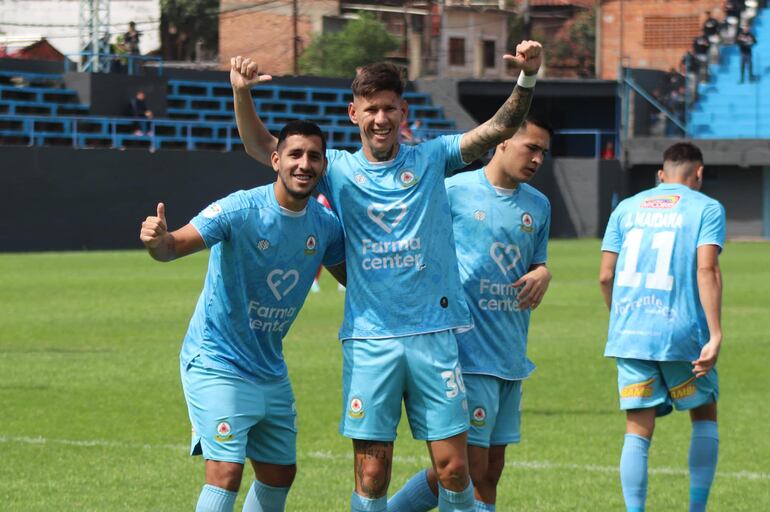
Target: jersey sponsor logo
pixel 356 408
pixel 638 390
pixel 480 215
pixel 224 432
pixel 310 245
pixel 661 202
pixel 377 212
pixel 281 282
pixel 268 318
pixel 683 390
pixel 408 179
pixel 212 211
pixel 506 256
pixel 479 418
pixel 527 223
pixel 504 296
pixel 392 254
pixel 263 245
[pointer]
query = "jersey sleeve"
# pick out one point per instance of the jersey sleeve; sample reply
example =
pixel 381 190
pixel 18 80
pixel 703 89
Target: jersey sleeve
pixel 541 247
pixel 215 223
pixel 450 154
pixel 613 240
pixel 335 251
pixel 712 229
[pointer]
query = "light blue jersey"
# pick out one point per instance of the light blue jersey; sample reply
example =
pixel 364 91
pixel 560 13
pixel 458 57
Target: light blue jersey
pixel 499 237
pixel 656 312
pixel 262 264
pixel 400 255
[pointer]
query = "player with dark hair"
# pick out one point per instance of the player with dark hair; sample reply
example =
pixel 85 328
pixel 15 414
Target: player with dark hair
pixel 501 229
pixel 266 244
pixel 404 293
pixel 661 281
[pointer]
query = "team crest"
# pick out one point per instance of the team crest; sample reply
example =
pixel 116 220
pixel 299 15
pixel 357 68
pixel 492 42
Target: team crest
pixel 479 418
pixel 212 211
pixel 224 432
pixel 527 223
pixel 480 215
pixel 407 178
pixel 356 409
pixel 660 202
pixel 263 245
pixel 360 179
pixel 310 245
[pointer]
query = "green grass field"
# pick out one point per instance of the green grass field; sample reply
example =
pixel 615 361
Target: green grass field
pixel 92 415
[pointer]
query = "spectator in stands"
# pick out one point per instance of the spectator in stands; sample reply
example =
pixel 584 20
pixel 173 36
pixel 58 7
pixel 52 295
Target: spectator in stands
pixel 745 40
pixel 131 39
pixel 139 110
pixel 676 105
pixel 711 31
pixel 658 118
pixel 691 67
pixel 418 131
pixel 608 153
pixel 732 19
pixel 700 47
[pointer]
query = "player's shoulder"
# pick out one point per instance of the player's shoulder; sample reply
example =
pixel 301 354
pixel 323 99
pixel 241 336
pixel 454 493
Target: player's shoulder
pixel 253 198
pixel 535 195
pixel 463 179
pixel 323 214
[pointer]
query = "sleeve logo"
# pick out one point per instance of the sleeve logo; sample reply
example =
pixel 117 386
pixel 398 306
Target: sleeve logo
pixel 212 211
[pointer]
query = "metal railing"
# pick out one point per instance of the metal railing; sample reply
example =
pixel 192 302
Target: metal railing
pixel 118 62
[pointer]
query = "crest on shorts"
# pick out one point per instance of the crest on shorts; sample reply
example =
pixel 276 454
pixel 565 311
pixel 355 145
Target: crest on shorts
pixel 479 417
pixel 527 223
pixel 224 432
pixel 407 178
pixel 310 245
pixel 356 408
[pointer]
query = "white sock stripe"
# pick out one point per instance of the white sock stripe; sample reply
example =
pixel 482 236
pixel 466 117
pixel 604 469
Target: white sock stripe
pixel 327 455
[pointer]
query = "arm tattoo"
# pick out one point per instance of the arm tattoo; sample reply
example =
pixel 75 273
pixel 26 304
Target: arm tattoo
pixel 503 125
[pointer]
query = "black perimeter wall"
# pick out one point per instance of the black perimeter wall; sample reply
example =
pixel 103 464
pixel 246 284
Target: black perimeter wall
pixel 68 199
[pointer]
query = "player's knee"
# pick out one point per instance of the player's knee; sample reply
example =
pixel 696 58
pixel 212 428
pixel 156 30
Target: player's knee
pixel 373 478
pixel 453 474
pixel 225 475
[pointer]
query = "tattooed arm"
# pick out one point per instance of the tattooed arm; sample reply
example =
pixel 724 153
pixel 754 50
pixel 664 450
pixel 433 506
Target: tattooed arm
pixel 507 120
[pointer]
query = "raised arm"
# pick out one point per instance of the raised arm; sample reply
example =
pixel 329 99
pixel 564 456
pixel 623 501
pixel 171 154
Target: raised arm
pixel 257 140
pixel 165 246
pixel 709 279
pixel 509 117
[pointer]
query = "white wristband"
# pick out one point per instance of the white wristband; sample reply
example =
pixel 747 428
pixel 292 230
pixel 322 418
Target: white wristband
pixel 527 81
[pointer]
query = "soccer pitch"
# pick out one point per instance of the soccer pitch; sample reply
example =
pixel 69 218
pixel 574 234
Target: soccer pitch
pixel 92 416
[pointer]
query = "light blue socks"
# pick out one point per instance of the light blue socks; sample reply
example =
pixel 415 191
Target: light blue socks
pixel 215 499
pixel 633 471
pixel 265 498
pixel 704 448
pixel 450 501
pixel 414 496
pixel 360 504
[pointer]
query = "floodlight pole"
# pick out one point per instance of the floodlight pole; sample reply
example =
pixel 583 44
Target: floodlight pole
pixel 94 35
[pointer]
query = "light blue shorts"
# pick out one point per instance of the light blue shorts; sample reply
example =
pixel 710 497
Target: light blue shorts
pixel 664 385
pixel 234 418
pixel 494 405
pixel 422 370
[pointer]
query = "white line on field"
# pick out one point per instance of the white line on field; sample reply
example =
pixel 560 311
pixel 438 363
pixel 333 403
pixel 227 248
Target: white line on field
pixel 327 455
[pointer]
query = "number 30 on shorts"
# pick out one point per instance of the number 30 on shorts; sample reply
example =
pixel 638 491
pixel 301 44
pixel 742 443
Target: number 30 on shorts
pixel 454 382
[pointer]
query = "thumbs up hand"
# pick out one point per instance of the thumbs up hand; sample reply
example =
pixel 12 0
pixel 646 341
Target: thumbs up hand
pixel 154 229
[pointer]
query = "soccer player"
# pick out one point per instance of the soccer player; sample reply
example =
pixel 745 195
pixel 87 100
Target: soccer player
pixel 404 294
pixel 266 244
pixel 501 229
pixel 661 281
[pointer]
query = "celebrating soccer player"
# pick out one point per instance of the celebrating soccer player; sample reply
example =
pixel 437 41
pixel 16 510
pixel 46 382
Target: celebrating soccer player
pixel 266 245
pixel 404 293
pixel 661 281
pixel 501 229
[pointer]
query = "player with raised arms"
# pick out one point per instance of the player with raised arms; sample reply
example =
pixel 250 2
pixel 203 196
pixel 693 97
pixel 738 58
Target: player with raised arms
pixel 266 245
pixel 661 281
pixel 501 227
pixel 404 293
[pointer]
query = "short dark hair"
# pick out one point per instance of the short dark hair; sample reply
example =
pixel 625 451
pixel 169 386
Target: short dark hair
pixel 300 127
pixel 539 123
pixel 380 76
pixel 682 152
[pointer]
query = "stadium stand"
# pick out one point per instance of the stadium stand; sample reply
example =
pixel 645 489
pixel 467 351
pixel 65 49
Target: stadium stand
pixel 35 110
pixel 727 109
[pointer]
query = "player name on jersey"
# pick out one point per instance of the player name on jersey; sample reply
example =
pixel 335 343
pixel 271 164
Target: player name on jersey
pixel 654 220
